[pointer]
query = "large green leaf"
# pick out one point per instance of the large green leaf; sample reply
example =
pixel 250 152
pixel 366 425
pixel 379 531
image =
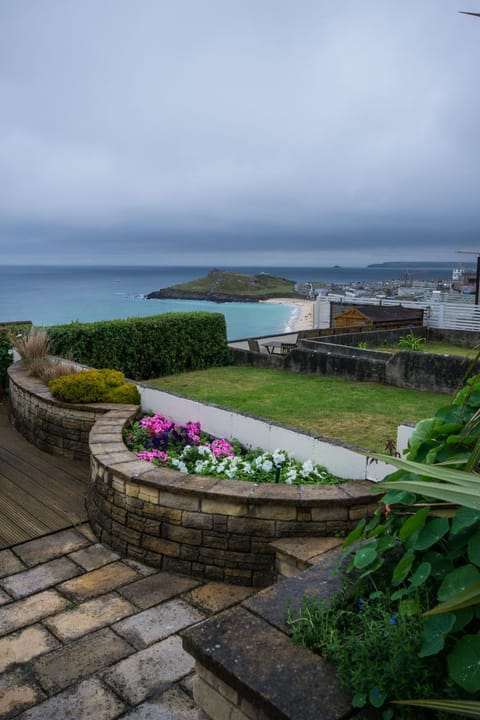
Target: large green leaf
pixel 458 580
pixel 461 599
pixel 435 630
pixel 415 522
pixel 464 663
pixel 403 567
pixel 468 497
pixel 464 708
pixel 433 531
pixel 438 472
pixel 474 548
pixel 464 518
pixel 355 534
pixel 365 556
pixel 421 575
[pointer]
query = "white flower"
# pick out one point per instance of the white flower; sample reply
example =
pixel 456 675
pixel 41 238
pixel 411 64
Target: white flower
pixel 267 465
pixel 278 457
pixel 203 450
pixel 291 476
pixel 307 468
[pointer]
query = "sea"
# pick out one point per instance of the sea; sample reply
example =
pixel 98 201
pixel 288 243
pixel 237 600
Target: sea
pixel 51 295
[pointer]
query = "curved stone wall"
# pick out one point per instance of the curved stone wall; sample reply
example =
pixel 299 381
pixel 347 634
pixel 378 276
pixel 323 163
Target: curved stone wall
pixel 203 526
pixel 56 427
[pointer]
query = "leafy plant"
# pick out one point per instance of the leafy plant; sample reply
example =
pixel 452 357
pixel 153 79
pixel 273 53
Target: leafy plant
pixel 424 542
pixel 94 386
pixel 362 345
pixel 411 342
pixel 6 359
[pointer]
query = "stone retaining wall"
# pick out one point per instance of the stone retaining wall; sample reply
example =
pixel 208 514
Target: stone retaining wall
pixel 203 526
pixel 56 427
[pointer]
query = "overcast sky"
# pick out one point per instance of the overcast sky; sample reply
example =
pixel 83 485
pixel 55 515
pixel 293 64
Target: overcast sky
pixel 222 132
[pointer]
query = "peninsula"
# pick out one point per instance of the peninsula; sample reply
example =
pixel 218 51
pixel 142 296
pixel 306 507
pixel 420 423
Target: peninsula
pixel 222 286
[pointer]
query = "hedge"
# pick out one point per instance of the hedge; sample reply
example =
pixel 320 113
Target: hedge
pixel 146 347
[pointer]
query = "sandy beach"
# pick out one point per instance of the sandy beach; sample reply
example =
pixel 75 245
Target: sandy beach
pixel 303 317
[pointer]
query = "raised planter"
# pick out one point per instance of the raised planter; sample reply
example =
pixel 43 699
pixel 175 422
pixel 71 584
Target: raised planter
pixel 53 426
pixel 203 526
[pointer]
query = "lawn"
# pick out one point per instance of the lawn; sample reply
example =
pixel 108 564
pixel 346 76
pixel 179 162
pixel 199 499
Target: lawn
pixel 362 414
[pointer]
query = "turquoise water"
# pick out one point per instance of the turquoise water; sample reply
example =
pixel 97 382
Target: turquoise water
pixel 54 295
pixel 49 295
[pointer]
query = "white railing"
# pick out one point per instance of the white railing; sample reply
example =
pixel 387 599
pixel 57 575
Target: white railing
pixel 451 315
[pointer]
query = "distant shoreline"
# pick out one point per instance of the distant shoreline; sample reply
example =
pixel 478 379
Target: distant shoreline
pixel 302 317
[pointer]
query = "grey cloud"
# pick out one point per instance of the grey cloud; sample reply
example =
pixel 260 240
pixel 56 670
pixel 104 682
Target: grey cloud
pixel 207 127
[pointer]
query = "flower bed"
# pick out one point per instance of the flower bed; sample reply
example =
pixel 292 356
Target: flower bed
pixel 186 448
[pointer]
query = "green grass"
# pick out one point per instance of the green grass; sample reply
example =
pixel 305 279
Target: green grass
pixel 362 414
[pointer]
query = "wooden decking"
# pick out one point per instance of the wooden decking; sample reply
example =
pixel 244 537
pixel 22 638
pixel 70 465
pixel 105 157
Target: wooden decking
pixel 39 493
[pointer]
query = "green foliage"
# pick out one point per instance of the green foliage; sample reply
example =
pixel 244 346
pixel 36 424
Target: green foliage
pixel 6 359
pixel 363 637
pixel 88 386
pixel 146 347
pixel 411 342
pixel 415 547
pixel 362 345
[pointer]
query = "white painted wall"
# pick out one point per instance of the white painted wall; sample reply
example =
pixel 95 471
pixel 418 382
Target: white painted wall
pixel 256 433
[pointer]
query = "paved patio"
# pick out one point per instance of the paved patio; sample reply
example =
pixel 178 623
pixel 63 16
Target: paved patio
pixel 85 634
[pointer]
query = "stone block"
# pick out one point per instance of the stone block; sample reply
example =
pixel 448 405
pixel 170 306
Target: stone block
pixel 180 534
pixel 150 671
pixel 333 512
pixel 97 582
pixel 45 548
pixel 40 577
pixel 157 623
pixel 30 610
pixel 161 546
pixel 24 645
pixel 211 701
pixel 221 506
pixel 89 616
pixel 251 526
pixel 9 563
pixel 157 588
pixel 158 512
pixel 89 699
pixel 80 658
pixel 94 556
pixel 216 596
pixel 198 520
pixel 18 692
pixel 179 501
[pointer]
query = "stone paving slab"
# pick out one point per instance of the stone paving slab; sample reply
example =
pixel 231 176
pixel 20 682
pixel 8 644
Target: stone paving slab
pixel 97 582
pixel 89 700
pixel 9 563
pixel 94 556
pixel 4 597
pixel 40 577
pixel 18 691
pixel 159 587
pixel 216 596
pixel 22 646
pixel 89 616
pixel 46 548
pixel 173 704
pixel 150 671
pixel 72 662
pixel 30 610
pixel 158 622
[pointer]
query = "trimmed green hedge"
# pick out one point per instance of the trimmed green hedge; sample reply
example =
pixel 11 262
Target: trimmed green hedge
pixel 146 347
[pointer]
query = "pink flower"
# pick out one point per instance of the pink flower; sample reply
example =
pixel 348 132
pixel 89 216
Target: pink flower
pixel 151 455
pixel 221 448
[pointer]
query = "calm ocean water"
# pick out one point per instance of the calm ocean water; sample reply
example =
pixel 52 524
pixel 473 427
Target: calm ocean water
pixel 49 295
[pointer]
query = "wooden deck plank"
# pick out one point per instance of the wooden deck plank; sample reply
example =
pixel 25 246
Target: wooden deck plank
pixel 39 493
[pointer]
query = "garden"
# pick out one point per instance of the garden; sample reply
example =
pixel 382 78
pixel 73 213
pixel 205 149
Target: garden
pixel 404 633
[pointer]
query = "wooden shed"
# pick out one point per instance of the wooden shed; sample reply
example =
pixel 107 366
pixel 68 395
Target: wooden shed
pixel 375 317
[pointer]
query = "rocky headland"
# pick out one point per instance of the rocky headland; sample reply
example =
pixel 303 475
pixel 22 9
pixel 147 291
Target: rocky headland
pixel 222 286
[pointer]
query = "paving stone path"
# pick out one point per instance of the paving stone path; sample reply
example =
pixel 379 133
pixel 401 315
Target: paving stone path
pixel 85 634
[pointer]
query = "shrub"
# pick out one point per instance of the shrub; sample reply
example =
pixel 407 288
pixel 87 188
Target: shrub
pixel 411 342
pixel 6 359
pixel 88 386
pixel 146 347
